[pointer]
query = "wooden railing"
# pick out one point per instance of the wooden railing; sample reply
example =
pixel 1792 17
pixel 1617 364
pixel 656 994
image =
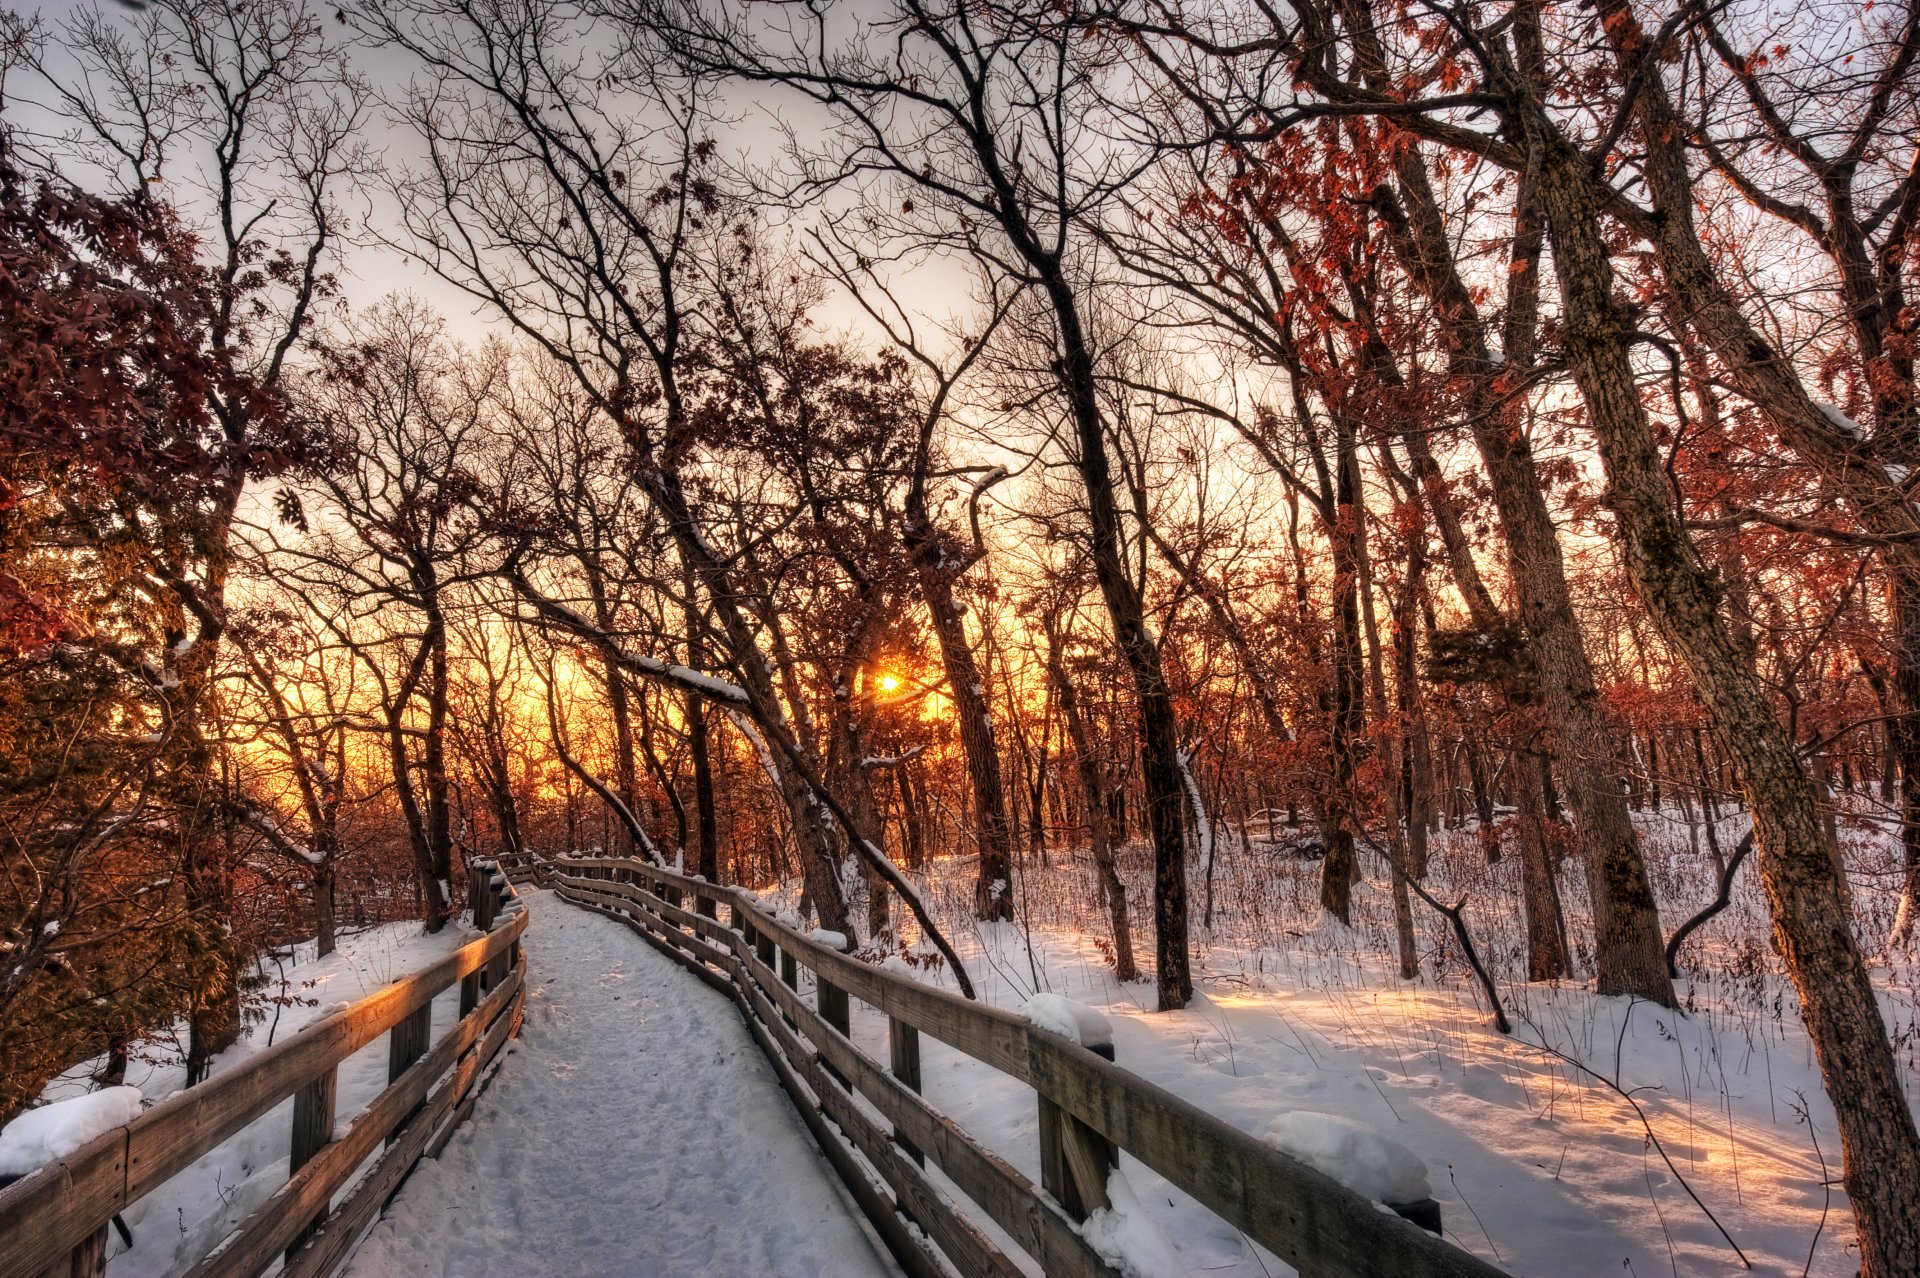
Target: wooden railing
pixel 1089 1108
pixel 519 867
pixel 55 1221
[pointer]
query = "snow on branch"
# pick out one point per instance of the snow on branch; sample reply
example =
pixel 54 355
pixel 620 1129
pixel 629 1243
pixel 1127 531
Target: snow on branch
pixel 679 676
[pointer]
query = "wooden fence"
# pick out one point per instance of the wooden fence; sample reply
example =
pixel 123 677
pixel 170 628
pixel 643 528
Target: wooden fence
pixel 881 1135
pixel 55 1221
pixel 519 867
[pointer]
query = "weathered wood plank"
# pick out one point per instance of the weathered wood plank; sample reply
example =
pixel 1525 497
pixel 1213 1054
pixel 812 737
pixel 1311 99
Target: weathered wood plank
pixel 985 1033
pixel 613 907
pixel 46 1215
pixel 639 906
pixel 1310 1220
pixel 903 1058
pixel 283 1221
pixel 1075 1161
pixel 1307 1219
pixel 1007 1197
pixel 956 1236
pixel 407 1041
pixel 330 1243
pixel 312 1132
pixel 88 1260
pixel 881 1210
pixel 654 904
pixel 169 1137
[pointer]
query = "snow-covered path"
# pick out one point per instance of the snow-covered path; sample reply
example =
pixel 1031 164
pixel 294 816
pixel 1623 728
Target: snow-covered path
pixel 635 1130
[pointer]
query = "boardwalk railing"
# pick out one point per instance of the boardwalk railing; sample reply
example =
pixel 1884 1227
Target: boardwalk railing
pixel 55 1221
pixel 881 1135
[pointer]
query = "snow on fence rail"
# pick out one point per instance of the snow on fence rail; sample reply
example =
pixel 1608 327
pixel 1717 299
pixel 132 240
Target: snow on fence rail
pixel 1089 1108
pixel 519 867
pixel 55 1221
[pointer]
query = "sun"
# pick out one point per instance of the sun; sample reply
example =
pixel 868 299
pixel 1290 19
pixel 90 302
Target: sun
pixel 888 683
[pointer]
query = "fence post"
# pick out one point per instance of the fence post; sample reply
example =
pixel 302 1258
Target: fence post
pixel 481 902
pixel 88 1259
pixel 903 1050
pixel 832 1002
pixel 496 906
pixel 1075 1160
pixel 312 1131
pixel 406 1043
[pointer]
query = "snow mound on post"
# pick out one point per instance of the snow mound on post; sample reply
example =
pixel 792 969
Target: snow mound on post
pixel 51 1132
pixel 1354 1154
pixel 832 940
pixel 1124 1237
pixel 1069 1019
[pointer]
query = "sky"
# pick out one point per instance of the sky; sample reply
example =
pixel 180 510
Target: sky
pixel 370 270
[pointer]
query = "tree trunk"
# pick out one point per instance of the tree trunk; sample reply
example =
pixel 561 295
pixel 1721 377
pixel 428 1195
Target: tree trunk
pixel 1547 956
pixel 439 814
pixel 1903 739
pixel 973 716
pixel 1099 841
pixel 1811 923
pixel 1629 955
pixel 324 925
pixel 1346 718
pixel 912 825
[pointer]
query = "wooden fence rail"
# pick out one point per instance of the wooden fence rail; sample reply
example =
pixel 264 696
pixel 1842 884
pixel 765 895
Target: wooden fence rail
pixel 54 1222
pixel 881 1135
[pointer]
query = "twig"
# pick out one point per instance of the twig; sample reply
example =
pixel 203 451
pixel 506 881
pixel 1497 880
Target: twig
pixel 1647 1126
pixel 1471 1212
pixel 1806 1117
pixel 1453 916
pixel 1681 933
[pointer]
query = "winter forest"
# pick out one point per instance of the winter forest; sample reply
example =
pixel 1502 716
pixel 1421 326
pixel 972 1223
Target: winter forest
pixel 1375 540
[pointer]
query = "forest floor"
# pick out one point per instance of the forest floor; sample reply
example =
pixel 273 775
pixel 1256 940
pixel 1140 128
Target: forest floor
pixel 182 1220
pixel 1535 1142
pixel 1548 1148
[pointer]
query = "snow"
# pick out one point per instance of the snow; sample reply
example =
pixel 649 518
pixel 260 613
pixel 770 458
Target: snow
pixel 634 1129
pixel 993 475
pixel 1839 420
pixel 1202 827
pixel 185 1217
pixel 1538 1167
pixel 832 940
pixel 1068 1019
pixel 1127 1239
pixel 53 1131
pixel 1354 1154
pixel 751 731
pixel 720 690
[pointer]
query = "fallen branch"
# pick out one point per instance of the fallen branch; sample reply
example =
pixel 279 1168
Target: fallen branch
pixel 1452 913
pixel 1686 929
pixel 1646 1126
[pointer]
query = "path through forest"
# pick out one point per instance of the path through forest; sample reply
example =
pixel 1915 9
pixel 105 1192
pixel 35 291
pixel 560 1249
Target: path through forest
pixel 634 1130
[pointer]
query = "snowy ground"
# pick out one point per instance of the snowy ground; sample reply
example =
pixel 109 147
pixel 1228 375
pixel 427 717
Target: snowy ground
pixel 1539 1163
pixel 182 1220
pixel 635 1130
